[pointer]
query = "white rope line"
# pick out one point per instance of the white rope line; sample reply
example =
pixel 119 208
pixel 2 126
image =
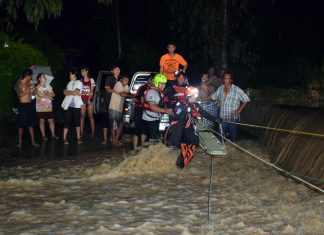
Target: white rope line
pixel 267 163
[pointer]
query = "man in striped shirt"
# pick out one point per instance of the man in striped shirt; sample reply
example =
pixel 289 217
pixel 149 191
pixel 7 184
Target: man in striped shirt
pixel 232 101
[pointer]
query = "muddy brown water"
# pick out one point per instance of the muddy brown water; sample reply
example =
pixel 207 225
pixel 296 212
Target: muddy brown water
pixel 108 191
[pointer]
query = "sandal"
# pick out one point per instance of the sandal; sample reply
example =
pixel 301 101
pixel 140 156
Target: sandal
pixel 35 145
pixel 44 138
pixel 55 137
pixel 66 142
pixel 79 141
pixel 105 142
pixel 118 144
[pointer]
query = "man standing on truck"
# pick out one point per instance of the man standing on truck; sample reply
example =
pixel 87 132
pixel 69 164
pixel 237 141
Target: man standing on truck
pixel 154 106
pixel 169 63
pixel 138 113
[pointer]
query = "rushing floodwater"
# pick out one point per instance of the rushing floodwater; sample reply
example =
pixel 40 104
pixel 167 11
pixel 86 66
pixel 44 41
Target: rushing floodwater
pixel 109 192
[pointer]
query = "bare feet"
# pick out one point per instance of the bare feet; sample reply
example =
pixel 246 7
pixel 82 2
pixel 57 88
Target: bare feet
pixel 118 144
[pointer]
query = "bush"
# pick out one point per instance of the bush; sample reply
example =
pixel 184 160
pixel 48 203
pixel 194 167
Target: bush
pixel 14 58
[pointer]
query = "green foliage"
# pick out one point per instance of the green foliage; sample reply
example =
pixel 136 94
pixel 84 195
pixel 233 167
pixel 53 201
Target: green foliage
pixel 14 57
pixel 315 76
pixel 34 10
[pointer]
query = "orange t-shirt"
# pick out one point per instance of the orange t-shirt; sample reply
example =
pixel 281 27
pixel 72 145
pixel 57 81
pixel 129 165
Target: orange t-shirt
pixel 171 64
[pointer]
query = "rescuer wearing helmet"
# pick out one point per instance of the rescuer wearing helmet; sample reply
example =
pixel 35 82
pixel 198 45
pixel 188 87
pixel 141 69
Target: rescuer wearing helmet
pixel 154 106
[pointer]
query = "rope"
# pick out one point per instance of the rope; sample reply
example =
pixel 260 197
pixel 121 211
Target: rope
pixel 210 188
pixel 295 132
pixel 266 162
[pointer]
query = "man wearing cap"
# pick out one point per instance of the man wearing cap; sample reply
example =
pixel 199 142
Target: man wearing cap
pixel 177 92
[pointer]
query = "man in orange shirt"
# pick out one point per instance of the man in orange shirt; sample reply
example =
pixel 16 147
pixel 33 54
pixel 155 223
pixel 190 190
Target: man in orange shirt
pixel 169 63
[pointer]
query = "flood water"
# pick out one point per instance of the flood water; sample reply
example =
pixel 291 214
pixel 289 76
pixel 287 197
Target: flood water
pixel 90 189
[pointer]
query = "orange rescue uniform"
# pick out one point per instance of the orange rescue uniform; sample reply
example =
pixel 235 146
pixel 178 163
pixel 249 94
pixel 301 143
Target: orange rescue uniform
pixel 171 64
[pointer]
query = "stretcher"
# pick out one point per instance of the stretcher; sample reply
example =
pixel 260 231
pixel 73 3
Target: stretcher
pixel 209 142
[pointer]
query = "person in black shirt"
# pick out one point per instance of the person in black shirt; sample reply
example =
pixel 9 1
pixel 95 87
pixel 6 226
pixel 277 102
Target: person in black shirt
pixel 138 113
pixel 110 83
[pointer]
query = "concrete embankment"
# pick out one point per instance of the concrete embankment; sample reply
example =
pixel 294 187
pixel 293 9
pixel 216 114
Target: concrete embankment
pixel 297 153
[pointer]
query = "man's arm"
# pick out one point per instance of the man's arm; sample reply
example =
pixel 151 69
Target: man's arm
pixel 184 63
pixel 244 100
pixel 155 108
pixel 21 91
pixel 240 109
pixel 161 64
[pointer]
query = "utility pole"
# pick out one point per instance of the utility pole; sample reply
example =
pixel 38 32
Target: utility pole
pixel 225 36
pixel 118 30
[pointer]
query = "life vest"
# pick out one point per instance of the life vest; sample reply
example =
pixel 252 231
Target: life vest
pixel 177 94
pixel 138 96
pixel 147 105
pixel 180 93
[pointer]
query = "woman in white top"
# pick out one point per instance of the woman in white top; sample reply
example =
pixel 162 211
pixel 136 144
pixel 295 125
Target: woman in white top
pixel 88 100
pixel 72 105
pixel 44 107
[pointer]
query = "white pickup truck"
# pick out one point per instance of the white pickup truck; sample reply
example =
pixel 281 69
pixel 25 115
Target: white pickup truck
pixel 138 80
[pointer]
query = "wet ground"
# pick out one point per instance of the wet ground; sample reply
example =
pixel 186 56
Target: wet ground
pixel 91 189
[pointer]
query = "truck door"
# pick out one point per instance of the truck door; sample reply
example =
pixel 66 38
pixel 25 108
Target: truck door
pixel 101 105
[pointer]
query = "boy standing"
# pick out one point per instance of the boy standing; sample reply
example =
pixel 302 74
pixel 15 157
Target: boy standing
pixel 25 89
pixel 169 63
pixel 116 107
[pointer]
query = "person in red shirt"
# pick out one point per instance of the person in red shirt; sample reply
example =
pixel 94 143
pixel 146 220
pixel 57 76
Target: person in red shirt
pixel 87 96
pixel 170 63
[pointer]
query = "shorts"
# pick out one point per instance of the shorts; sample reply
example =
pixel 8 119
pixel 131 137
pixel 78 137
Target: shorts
pixel 138 121
pixel 151 129
pixel 26 117
pixel 45 115
pixel 72 117
pixel 115 119
pixel 88 102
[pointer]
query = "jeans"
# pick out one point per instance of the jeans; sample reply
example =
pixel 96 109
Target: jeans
pixel 151 128
pixel 231 129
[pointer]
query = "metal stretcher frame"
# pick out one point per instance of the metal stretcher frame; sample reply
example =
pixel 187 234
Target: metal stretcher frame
pixel 209 142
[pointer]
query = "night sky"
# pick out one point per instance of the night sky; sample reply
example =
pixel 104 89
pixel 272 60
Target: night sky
pixel 86 33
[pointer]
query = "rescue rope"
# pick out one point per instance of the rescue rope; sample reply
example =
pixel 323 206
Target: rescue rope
pixel 294 132
pixel 210 188
pixel 268 163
